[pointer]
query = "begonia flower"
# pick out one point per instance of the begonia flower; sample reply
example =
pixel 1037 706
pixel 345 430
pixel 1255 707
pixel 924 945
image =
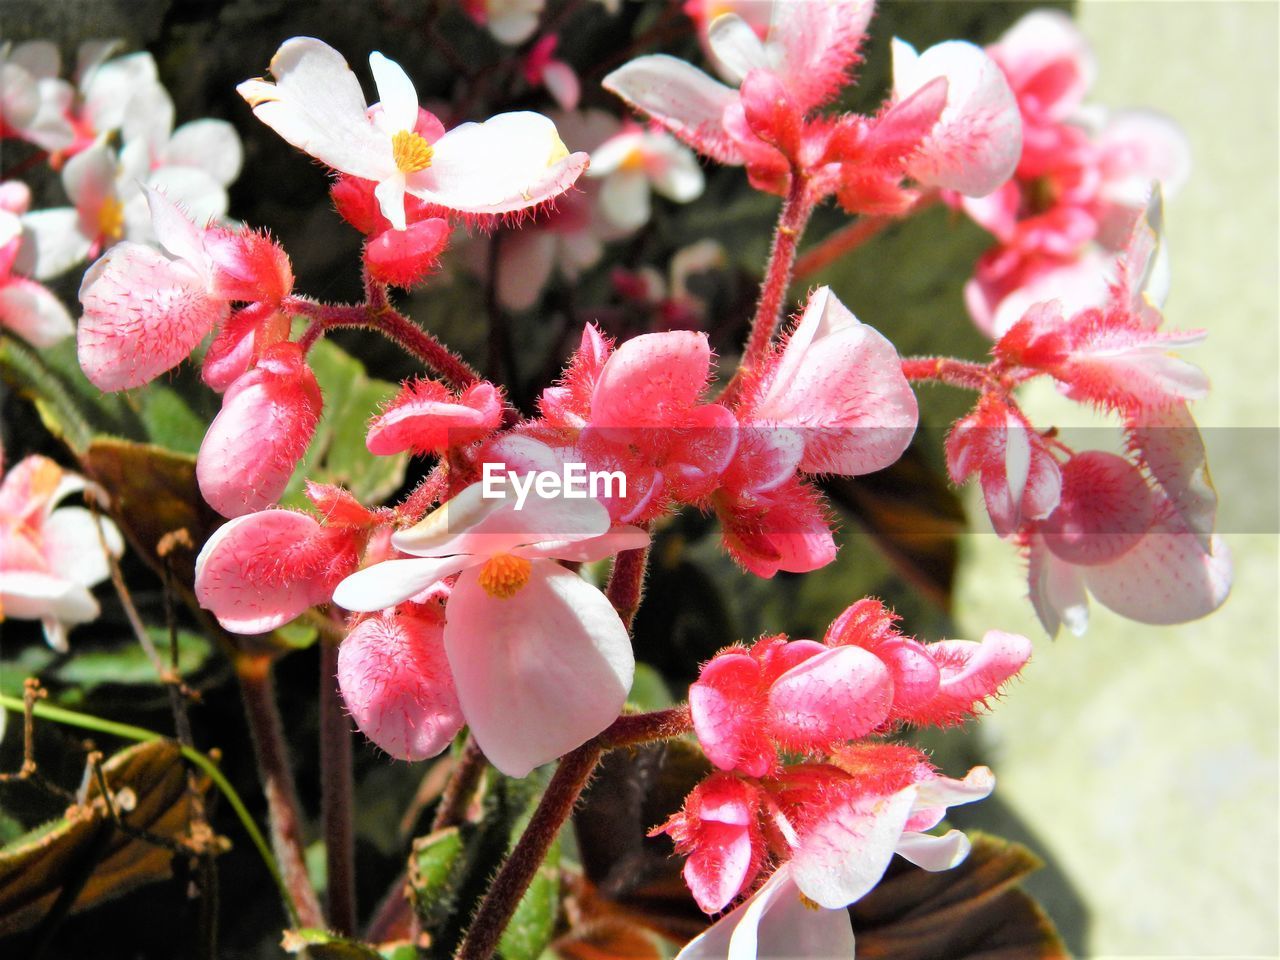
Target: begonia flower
pixel 540 660
pixel 144 312
pixel 508 164
pixel 635 161
pixel 425 417
pixel 26 307
pixel 51 556
pixel 33 99
pixel 510 22
pixel 541 69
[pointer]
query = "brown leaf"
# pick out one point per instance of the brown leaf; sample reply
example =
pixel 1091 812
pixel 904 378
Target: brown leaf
pixel 153 493
pixel 975 911
pixel 35 867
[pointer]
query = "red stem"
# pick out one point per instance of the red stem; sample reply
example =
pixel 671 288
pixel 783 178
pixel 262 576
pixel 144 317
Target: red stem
pixel 835 245
pixel 553 810
pixel 955 373
pixel 626 583
pixel 337 794
pixel 792 219
pixel 393 325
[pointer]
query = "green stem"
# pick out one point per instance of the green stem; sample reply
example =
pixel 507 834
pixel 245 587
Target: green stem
pixel 127 731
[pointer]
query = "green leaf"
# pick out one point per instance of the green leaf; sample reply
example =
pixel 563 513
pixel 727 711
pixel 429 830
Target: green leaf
pixel 975 910
pixel 320 945
pixel 28 663
pixel 337 453
pixel 534 921
pixel 24 369
pixel 169 422
pixel 648 690
pixel 437 868
pixel 129 664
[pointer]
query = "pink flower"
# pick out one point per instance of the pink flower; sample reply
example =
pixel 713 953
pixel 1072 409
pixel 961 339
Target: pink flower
pixel 510 22
pixel 33 100
pixel 540 659
pixel 144 311
pixel 261 570
pixel 838 826
pixel 511 163
pixel 1128 545
pixel 50 558
pixel 635 161
pixel 396 683
pixel 798 695
pixel 26 307
pixel 1019 476
pixel 832 399
pixel 267 419
pixel 541 69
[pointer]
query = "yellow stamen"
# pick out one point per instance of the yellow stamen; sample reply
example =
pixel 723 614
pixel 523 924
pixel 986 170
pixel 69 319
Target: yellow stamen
pixel 411 152
pixel 503 575
pixel 809 904
pixel 633 162
pixel 111 219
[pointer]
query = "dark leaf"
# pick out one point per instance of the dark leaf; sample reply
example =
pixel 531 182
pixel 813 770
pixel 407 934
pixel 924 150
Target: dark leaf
pixel 35 867
pixel 975 911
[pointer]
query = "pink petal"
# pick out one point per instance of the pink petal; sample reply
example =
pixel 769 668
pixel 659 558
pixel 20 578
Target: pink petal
pixel 844 854
pixel 143 314
pixel 1168 577
pixel 32 312
pixel 820 45
pixel 1106 508
pixel 978 139
pixel 396 684
pixel 620 538
pixel 540 673
pixel 728 715
pixel 969 674
pixel 262 570
pixel 265 425
pixel 1056 589
pixel 652 380
pixel 426 418
pixel 841 694
pixel 1168 443
pixel 1048 62
pixel 681 98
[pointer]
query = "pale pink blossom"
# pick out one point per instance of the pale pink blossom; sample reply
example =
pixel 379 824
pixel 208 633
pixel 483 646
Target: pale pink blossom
pixel 636 161
pixel 508 164
pixel 145 311
pixel 1125 543
pixel 50 556
pixel 33 100
pixel 510 22
pixel 541 69
pixel 26 307
pixel 540 660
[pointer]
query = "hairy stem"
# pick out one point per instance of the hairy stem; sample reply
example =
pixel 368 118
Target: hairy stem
pixel 553 810
pixel 955 373
pixel 461 786
pixel 530 851
pixel 379 315
pixel 626 583
pixel 792 220
pixel 283 810
pixel 337 794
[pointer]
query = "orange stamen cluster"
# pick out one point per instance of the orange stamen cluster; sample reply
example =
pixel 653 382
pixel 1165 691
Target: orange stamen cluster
pixel 411 152
pixel 503 575
pixel 111 219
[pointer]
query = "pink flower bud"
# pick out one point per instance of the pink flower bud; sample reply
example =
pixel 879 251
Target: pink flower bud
pixel 249 266
pixel 267 419
pixel 396 682
pixel 425 417
pixel 404 258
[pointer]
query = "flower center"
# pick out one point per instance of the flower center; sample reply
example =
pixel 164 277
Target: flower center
pixel 503 575
pixel 411 152
pixel 111 219
pixel 558 152
pixel 633 162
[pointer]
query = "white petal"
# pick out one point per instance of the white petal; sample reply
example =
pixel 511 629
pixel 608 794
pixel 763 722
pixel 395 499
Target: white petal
pixel 394 581
pixel 396 95
pixel 934 853
pixel 73 546
pixel 736 47
pixel 624 198
pixel 390 194
pixel 210 145
pixel 539 673
pixel 52 243
pixel 316 105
